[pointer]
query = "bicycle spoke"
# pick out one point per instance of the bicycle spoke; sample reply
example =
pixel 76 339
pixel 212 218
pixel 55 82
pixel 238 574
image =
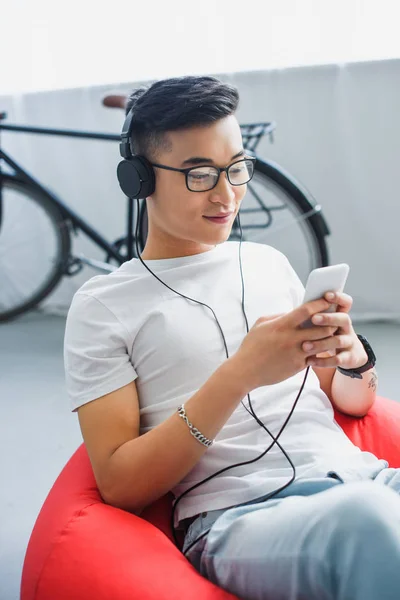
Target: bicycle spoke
pixel 9 284
pixel 26 242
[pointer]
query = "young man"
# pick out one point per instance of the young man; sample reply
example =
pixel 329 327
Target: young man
pixel 137 350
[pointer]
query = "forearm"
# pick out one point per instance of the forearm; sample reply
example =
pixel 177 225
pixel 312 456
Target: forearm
pixel 147 467
pixel 354 396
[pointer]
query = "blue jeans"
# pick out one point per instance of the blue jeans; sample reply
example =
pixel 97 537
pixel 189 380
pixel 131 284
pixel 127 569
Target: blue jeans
pixel 319 539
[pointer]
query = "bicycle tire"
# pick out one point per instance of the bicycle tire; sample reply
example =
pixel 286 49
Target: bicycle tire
pixel 296 194
pixel 62 234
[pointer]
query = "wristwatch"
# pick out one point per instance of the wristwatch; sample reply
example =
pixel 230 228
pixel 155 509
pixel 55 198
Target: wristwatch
pixel 356 373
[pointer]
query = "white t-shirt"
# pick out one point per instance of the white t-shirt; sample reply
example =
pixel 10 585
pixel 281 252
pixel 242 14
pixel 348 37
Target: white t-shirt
pixel 127 325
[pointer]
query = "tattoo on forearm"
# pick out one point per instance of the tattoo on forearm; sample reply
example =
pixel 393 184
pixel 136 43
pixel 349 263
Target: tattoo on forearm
pixel 373 381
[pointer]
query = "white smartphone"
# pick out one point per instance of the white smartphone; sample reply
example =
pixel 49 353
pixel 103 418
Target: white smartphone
pixel 325 279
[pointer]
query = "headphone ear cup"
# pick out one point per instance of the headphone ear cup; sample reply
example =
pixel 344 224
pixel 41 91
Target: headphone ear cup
pixel 136 177
pixel 128 178
pixel 147 175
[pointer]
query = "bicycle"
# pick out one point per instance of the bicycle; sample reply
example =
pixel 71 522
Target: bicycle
pixel 24 288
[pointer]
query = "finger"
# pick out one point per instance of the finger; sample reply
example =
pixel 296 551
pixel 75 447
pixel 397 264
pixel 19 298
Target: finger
pixel 316 333
pixel 338 320
pixel 305 311
pixel 343 301
pixel 332 343
pixel 334 361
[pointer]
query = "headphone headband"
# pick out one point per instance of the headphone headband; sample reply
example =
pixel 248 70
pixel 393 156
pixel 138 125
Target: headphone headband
pixel 125 146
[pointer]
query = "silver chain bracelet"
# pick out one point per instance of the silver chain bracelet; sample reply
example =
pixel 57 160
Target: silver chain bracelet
pixel 193 430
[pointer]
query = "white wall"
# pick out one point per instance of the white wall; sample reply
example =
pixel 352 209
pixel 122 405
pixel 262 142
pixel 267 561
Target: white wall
pixel 54 45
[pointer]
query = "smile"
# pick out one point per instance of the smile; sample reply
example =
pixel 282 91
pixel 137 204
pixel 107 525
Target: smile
pixel 220 220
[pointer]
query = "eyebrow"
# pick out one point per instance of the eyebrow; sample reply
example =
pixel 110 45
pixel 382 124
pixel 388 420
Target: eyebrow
pixel 200 160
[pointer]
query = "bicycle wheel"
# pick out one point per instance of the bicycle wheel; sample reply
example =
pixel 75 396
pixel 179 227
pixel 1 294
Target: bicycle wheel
pixel 34 247
pixel 278 211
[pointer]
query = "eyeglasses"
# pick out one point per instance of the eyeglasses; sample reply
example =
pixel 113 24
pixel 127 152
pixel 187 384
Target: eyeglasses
pixel 205 178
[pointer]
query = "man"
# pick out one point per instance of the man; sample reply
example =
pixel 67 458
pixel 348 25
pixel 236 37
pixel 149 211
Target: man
pixel 140 345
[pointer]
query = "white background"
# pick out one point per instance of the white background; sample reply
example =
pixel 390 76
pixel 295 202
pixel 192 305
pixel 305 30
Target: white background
pixel 52 45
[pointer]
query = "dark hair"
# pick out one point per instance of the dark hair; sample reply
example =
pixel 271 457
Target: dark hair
pixel 177 103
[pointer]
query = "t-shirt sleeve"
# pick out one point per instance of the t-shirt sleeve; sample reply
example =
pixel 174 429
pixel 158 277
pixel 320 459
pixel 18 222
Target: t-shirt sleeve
pixel 96 355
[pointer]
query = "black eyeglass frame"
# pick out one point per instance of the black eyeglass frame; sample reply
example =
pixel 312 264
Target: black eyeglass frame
pixel 219 169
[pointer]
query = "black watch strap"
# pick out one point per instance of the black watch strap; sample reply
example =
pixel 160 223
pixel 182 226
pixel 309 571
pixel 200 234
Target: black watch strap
pixel 357 373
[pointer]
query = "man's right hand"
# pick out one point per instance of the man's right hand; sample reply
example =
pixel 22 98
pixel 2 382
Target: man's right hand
pixel 272 350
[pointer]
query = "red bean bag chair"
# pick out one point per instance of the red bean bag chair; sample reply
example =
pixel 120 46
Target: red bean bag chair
pixel 83 549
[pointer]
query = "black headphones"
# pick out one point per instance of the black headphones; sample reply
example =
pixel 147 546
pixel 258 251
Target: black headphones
pixel 135 173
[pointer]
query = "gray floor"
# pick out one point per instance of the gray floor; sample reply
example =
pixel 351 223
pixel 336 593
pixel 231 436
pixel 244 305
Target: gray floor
pixel 38 432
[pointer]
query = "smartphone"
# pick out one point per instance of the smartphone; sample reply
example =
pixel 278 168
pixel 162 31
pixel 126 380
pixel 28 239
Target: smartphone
pixel 325 279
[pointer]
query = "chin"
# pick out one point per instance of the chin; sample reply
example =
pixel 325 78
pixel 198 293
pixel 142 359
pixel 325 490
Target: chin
pixel 220 239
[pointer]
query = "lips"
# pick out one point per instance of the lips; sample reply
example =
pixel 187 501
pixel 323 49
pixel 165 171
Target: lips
pixel 220 220
pixel 220 216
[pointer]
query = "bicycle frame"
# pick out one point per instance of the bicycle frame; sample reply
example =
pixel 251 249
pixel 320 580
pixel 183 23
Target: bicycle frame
pixel 76 221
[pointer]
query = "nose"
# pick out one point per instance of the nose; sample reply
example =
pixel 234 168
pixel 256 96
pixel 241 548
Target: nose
pixel 223 191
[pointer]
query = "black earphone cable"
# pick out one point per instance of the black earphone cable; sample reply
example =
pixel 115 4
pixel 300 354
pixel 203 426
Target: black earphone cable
pixel 251 411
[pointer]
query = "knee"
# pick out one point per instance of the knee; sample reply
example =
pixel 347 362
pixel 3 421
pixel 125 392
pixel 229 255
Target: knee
pixel 365 509
pixel 358 539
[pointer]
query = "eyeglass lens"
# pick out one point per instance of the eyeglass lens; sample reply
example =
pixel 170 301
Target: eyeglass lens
pixel 205 178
